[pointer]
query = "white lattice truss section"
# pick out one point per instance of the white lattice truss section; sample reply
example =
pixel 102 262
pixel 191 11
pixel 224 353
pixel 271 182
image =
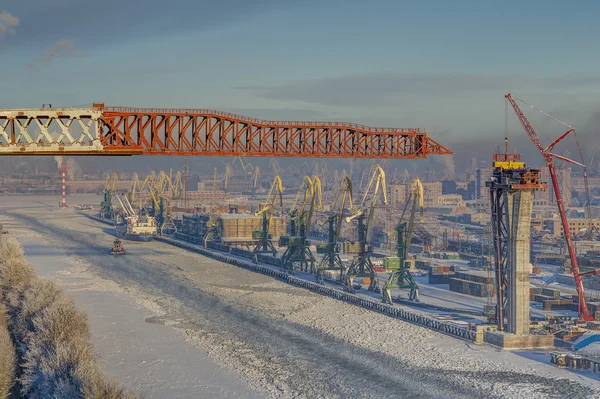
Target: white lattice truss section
pixel 72 130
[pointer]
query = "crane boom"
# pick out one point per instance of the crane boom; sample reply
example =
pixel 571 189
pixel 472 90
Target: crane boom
pixel 549 158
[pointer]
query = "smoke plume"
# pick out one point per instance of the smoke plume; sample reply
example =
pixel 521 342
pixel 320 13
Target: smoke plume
pixel 59 161
pixel 73 169
pixel 448 164
pixel 61 47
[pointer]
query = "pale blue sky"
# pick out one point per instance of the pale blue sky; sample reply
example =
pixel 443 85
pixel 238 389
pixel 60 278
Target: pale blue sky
pixel 439 65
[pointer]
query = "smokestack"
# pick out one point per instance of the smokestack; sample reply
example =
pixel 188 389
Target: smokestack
pixel 62 166
pixel 64 185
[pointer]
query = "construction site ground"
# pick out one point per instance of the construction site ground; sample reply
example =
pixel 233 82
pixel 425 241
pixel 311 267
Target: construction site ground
pixel 171 323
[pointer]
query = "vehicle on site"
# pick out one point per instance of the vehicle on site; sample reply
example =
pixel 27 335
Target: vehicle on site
pixel 117 248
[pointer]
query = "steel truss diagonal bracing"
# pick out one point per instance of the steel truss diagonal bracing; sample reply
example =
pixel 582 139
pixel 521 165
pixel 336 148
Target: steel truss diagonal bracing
pixel 104 130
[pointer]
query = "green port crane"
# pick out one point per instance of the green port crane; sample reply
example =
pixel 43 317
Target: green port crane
pixel 361 265
pixel 331 258
pixel 400 277
pixel 298 251
pixel 302 197
pixel 107 210
pixel 212 228
pixel 265 243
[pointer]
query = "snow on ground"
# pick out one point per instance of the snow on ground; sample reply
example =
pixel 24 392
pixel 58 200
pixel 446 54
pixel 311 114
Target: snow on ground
pixel 284 341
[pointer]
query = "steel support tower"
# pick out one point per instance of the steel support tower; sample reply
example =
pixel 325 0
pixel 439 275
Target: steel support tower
pixel 511 200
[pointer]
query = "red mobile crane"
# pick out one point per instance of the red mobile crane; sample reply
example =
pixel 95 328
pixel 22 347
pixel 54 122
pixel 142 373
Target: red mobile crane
pixel 583 312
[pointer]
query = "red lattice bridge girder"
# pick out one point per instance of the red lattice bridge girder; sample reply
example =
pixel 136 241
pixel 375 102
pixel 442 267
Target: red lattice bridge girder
pixel 103 130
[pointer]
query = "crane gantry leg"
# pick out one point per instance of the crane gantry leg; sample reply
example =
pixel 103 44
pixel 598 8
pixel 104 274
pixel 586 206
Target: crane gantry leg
pixel 400 276
pixel 265 242
pixel 361 265
pixel 298 253
pixel 331 260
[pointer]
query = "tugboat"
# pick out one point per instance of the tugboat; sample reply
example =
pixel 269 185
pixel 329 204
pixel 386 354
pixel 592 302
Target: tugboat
pixel 117 248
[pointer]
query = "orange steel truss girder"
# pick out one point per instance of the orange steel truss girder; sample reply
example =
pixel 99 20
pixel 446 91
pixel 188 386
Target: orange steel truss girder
pixel 131 131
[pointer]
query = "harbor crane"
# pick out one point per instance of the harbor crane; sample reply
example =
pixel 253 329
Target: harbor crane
pixel 265 243
pixel 107 210
pixel 361 265
pixel 400 277
pixel 331 259
pixel 549 157
pixel 298 251
pixel 212 228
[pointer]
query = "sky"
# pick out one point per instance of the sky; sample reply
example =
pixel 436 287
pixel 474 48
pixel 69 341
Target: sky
pixel 439 65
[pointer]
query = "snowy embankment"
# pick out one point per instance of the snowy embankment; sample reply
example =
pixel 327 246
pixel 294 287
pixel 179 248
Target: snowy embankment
pixel 54 354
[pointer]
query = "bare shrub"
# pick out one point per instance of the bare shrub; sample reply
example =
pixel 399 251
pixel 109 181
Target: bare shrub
pixel 55 354
pixel 9 248
pixel 99 386
pixel 38 296
pixel 15 272
pixel 62 321
pixel 7 356
pixel 59 344
pixel 15 275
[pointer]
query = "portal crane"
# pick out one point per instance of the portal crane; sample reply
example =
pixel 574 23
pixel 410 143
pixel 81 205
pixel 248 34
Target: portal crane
pixel 135 187
pixel 549 157
pixel 265 243
pixel 298 251
pixel 107 211
pixel 331 259
pixel 361 265
pixel 400 277
pixel 228 173
pixel 212 230
pixel 255 181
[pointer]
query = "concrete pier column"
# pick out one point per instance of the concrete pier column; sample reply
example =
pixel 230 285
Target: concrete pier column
pixel 520 206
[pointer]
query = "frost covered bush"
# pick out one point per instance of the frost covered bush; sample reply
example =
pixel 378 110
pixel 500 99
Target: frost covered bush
pixel 55 357
pixel 58 349
pixel 7 356
pixel 10 249
pixel 38 296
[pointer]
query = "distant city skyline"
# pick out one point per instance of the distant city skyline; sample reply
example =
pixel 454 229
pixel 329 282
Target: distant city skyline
pixel 442 66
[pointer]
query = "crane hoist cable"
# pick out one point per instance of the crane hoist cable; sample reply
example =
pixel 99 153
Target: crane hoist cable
pixel 315 202
pixel 378 178
pixel 276 191
pixel 344 194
